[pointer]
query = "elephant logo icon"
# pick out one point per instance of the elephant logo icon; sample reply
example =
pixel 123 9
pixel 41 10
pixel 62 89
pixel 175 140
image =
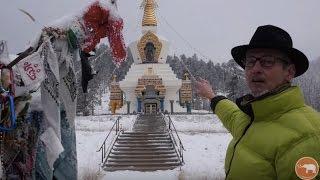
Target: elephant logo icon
pixel 307 168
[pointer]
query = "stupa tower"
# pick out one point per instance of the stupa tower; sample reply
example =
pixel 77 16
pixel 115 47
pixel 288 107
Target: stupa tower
pixel 150 85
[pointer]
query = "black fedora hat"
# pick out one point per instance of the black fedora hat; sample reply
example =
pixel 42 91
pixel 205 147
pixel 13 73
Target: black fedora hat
pixel 272 37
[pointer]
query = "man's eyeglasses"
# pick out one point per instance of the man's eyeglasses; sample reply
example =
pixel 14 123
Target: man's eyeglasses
pixel 265 61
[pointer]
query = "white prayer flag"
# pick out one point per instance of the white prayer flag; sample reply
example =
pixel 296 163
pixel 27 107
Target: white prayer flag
pixel 31 69
pixel 53 145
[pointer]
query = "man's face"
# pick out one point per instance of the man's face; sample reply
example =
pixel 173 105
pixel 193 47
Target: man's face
pixel 265 75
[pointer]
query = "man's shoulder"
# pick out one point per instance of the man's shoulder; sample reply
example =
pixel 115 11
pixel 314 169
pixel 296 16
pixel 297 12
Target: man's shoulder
pixel 303 120
pixel 300 130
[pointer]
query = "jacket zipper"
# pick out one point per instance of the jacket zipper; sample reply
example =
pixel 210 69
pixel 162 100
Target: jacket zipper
pixel 235 146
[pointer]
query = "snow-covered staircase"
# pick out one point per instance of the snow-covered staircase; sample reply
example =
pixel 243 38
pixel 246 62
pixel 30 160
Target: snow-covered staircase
pixel 148 147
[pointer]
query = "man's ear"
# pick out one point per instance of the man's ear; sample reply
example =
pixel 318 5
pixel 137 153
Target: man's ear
pixel 291 72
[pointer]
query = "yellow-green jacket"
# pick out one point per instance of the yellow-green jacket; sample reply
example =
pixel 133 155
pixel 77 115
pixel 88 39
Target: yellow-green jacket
pixel 270 137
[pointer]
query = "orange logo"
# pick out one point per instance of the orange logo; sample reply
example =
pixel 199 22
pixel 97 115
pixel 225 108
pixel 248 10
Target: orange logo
pixel 307 168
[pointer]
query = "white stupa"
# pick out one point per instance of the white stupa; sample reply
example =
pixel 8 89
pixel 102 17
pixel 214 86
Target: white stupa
pixel 150 85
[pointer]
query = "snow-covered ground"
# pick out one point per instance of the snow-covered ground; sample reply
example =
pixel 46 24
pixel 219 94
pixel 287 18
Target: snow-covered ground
pixel 203 136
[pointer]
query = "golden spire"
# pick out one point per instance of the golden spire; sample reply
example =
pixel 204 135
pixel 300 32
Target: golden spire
pixel 149 17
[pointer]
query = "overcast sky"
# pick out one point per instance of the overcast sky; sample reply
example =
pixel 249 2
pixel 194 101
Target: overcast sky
pixel 212 27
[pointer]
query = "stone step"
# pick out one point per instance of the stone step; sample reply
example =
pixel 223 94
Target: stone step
pixel 150 123
pixel 147 148
pixel 144 156
pixel 142 141
pixel 139 129
pixel 142 135
pixel 143 160
pixel 143 138
pixel 144 145
pixel 150 118
pixel 160 125
pixel 142 149
pixel 143 152
pixel 139 168
pixel 159 164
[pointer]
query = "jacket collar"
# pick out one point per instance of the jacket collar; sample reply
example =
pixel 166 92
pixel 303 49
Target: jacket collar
pixel 273 104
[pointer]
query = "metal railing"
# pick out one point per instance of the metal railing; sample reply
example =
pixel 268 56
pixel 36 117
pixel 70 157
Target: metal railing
pixel 175 139
pixel 105 151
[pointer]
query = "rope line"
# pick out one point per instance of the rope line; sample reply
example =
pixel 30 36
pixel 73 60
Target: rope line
pixel 183 64
pixel 182 38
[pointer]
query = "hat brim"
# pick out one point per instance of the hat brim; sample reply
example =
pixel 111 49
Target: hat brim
pixel 297 57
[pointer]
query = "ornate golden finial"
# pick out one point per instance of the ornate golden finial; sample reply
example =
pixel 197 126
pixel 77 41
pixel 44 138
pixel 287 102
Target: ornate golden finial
pixel 149 17
pixel 186 76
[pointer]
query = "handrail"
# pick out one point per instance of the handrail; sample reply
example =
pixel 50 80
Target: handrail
pixel 175 131
pixel 103 146
pixel 180 147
